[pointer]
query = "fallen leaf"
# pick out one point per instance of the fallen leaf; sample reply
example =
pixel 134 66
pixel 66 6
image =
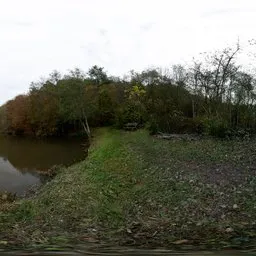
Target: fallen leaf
pixel 229 230
pixel 183 241
pixel 128 231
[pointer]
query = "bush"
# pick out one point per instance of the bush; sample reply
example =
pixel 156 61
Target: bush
pixel 207 126
pixel 175 123
pixel 152 127
pixel 130 113
pixel 215 127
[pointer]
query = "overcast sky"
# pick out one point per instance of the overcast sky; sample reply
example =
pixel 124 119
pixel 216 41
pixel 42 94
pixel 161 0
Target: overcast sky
pixel 38 36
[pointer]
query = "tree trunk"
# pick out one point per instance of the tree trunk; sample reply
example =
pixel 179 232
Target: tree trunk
pixel 86 128
pixel 193 109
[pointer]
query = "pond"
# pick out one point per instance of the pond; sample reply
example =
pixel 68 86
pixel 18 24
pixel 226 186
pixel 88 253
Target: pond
pixel 21 159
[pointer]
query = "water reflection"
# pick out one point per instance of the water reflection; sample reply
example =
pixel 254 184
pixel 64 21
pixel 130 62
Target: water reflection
pixel 12 180
pixel 21 158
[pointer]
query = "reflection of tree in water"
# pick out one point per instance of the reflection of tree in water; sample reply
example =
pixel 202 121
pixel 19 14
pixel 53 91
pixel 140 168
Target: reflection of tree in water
pixel 23 160
pixel 33 154
pixel 15 181
pixel 34 172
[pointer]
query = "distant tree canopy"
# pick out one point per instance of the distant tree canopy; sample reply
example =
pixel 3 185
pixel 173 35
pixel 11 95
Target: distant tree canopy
pixel 214 96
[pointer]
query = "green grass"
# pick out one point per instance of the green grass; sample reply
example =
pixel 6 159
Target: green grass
pixel 135 189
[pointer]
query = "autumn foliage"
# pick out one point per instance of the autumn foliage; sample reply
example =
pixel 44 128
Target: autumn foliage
pixel 213 96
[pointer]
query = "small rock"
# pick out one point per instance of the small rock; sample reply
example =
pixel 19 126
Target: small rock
pixel 235 206
pixel 129 231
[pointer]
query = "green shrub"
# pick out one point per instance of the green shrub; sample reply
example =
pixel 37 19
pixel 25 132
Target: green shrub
pixel 175 123
pixel 152 126
pixel 130 113
pixel 215 127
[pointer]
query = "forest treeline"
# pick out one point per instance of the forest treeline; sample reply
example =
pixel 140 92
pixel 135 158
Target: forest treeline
pixel 213 96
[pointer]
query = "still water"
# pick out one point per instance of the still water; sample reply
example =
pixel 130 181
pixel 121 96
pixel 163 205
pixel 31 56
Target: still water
pixel 21 159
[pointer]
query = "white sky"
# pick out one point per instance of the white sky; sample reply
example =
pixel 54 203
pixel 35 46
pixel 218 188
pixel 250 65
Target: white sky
pixel 38 36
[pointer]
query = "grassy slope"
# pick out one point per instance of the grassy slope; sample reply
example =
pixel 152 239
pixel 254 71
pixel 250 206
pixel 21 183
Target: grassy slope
pixel 136 189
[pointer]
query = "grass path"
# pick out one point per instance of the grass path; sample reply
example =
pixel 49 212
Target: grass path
pixel 134 189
